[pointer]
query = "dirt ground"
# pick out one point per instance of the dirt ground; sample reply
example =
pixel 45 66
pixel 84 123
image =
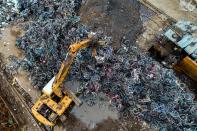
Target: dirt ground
pixel 7 121
pixel 116 18
pixel 8 48
pixel 16 103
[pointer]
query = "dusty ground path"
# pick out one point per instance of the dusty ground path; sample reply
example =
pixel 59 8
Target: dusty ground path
pixel 8 48
pixel 116 18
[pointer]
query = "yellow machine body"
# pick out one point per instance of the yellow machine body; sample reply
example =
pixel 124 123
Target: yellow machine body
pixel 188 66
pixel 58 108
pixel 55 99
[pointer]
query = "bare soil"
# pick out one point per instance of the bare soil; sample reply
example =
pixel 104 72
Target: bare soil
pixel 116 18
pixel 16 104
pixel 8 48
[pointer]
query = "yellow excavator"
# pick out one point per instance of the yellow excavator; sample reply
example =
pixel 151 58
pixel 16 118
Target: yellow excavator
pixel 178 47
pixel 56 100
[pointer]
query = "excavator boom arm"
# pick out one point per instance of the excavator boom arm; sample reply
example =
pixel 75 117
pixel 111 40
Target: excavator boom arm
pixel 49 107
pixel 63 72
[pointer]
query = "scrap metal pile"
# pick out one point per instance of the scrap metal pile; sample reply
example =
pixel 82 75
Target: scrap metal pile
pixel 12 11
pixel 136 83
pixel 132 80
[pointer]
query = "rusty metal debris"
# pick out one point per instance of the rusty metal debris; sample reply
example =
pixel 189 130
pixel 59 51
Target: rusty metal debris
pixel 22 10
pixel 136 83
pixel 188 5
pixel 132 80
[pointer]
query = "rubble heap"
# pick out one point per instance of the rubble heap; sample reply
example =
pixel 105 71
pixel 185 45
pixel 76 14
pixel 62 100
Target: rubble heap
pixel 47 39
pixel 45 45
pixel 36 10
pixel 134 82
pixel 6 10
pixel 131 79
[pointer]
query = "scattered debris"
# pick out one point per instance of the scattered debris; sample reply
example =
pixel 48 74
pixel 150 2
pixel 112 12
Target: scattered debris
pixel 188 5
pixel 45 44
pixel 132 80
pixel 138 87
